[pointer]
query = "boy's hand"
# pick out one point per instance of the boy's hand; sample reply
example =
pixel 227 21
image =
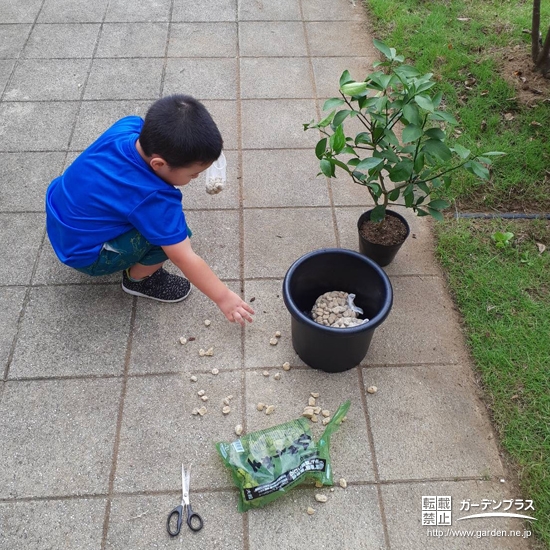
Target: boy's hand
pixel 235 308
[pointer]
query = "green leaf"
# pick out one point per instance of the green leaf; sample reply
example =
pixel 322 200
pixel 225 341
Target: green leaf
pixel 393 195
pixel 320 148
pixel 419 162
pixel 326 121
pixel 438 149
pixel 340 164
pixel 443 116
pixel 337 140
pixel 353 88
pixel 369 163
pixel 411 114
pixel 340 116
pixel 378 213
pixel 354 162
pixel 363 137
pixel 332 103
pixel 411 133
pixel 379 45
pixel 436 214
pixel 420 212
pixel 436 133
pixel 402 171
pixel 462 152
pixel 345 78
pixel 436 99
pixel 477 169
pixel 493 154
pixel 439 204
pixel 327 168
pixel 424 102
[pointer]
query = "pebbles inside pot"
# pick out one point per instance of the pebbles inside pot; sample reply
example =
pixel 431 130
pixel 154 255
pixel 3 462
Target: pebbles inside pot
pixel 336 309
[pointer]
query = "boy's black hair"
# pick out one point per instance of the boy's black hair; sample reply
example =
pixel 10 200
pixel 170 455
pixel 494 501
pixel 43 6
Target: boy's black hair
pixel 180 130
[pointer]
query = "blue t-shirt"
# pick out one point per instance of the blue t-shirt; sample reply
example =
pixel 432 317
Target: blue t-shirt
pixel 109 190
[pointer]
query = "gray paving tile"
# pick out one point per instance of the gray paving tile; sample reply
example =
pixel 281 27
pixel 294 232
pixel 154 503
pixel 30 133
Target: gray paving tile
pixel 57 437
pixel 95 117
pixel 124 79
pixel 20 238
pixel 140 522
pixel 272 39
pixel 62 40
pixel 205 10
pixel 345 192
pixel 406 531
pixel 47 79
pixel 339 38
pixel 159 432
pixel 51 271
pixel 24 189
pixel 327 72
pixel 266 298
pixel 44 524
pixel 12 39
pixel 414 333
pixel 338 10
pixel 216 236
pixel 72 11
pixel 195 196
pixel 416 256
pixel 42 126
pixel 224 114
pixel 73 331
pixel 283 178
pixel 349 447
pixel 427 423
pixel 12 303
pixel 349 519
pixel 133 40
pixel 123 10
pixel 271 251
pixel 201 78
pixel 203 40
pixel 282 123
pixel 158 327
pixel 262 10
pixel 279 77
pixel 19 12
pixel 6 67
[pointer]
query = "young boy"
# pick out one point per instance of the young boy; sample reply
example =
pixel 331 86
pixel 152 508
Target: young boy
pixel 118 206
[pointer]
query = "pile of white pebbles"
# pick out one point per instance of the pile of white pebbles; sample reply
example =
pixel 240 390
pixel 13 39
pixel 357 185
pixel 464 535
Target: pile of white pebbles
pixel 336 309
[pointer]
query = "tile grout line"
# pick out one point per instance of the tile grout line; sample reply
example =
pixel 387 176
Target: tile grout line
pixel 238 99
pixel 165 57
pixel 118 428
pixel 318 111
pixel 374 459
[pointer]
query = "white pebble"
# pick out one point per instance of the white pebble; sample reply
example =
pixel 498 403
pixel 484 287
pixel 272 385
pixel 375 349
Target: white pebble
pixel 318 484
pixel 200 393
pixel 215 371
pixel 193 378
pixel 207 322
pixel 226 410
pixel 209 352
pixel 260 406
pixel 315 394
pixel 269 409
pixel 278 334
pixel 325 413
pixel 265 373
pixel 201 352
pixel 343 483
pixel 195 412
pixel 226 401
pixel 372 389
pixel 314 418
pixel 238 429
pixel 311 401
pixel 326 421
pixel 286 365
pixel 277 376
pixel 321 498
pixel 204 397
pixel 310 511
pixel 273 341
pixel 183 341
pixel 202 411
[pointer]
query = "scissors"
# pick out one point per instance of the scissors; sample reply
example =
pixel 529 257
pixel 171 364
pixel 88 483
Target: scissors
pixel 194 521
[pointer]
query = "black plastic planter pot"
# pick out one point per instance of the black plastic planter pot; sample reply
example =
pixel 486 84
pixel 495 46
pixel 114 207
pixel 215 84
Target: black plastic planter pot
pixel 381 254
pixel 326 348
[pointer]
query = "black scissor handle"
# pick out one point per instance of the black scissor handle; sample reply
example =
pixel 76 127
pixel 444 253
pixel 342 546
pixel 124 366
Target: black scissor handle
pixel 193 520
pixel 178 512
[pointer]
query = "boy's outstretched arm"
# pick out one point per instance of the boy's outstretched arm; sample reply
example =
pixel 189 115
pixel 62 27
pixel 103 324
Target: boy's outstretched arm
pixel 201 276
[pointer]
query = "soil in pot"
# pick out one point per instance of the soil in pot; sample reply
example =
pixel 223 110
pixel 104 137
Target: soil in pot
pixel 389 232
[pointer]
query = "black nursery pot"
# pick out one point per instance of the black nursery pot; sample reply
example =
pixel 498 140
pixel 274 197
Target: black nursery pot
pixel 381 254
pixel 327 348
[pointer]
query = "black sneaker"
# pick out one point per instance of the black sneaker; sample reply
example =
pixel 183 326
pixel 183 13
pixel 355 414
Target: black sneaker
pixel 161 286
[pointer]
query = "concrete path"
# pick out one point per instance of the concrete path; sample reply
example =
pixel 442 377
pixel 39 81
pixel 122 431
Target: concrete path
pixel 95 397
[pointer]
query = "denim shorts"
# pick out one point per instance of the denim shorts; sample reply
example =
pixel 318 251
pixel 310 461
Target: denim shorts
pixel 123 252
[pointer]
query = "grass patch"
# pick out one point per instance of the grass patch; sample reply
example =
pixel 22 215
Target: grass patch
pixel 465 57
pixel 504 297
